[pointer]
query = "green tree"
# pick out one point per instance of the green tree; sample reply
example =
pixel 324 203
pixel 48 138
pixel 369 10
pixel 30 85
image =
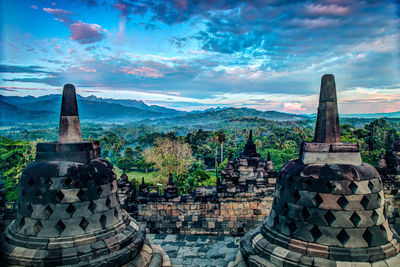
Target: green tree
pixel 127 161
pixel 111 142
pixel 170 156
pixel 14 157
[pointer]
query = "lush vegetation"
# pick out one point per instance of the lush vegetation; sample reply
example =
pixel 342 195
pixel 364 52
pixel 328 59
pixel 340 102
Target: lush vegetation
pixel 189 152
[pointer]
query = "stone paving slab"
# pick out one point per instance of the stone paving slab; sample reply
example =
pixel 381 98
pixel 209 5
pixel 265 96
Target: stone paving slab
pixel 197 250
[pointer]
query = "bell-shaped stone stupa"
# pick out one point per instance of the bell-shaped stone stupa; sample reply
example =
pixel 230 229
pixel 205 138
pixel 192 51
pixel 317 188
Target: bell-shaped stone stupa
pixel 68 207
pixel 328 207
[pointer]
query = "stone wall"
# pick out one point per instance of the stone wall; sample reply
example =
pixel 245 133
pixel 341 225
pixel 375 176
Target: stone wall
pixel 223 215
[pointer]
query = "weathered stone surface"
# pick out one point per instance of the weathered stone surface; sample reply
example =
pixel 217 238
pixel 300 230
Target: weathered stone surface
pixel 327 128
pixel 69 209
pixel 328 206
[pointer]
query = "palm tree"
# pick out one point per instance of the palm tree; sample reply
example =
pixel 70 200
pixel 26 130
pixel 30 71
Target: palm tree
pixel 215 138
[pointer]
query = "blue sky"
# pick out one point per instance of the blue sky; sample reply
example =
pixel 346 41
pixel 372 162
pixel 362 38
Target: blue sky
pixel 268 55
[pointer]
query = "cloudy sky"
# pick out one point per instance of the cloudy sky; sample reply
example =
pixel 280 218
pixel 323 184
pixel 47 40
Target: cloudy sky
pixel 268 55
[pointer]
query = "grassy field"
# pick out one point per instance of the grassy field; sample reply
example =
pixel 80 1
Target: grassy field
pixel 149 177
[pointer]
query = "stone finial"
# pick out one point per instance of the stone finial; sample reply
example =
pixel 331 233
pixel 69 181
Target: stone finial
pixel 268 157
pixel 70 128
pixel 327 128
pixel 250 136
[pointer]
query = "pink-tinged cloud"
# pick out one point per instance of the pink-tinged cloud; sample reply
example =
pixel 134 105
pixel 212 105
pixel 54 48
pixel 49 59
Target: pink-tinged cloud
pixel 85 33
pixel 143 72
pixel 61 14
pixel 293 107
pixel 34 7
pixel 14 88
pixel 332 10
pixel 84 69
pixel 125 10
pixel 313 23
pixel 90 91
pixel 182 4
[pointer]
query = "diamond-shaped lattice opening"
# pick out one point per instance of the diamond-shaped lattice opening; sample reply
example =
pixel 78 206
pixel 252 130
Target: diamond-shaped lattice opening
pixel 285 209
pixel 329 217
pixel 92 206
pixel 29 210
pixel 296 196
pixel 99 191
pixel 80 194
pixel 367 237
pixel 342 202
pixel 343 237
pixel 290 179
pixel 371 186
pixel 68 181
pixel 38 195
pixel 103 221
pixel 115 213
pixel 378 197
pixel 276 220
pixel 308 182
pixel 355 219
pixel 31 182
pixel 48 182
pixel 59 196
pixel 21 223
pixel 317 200
pixel 306 214
pixel 37 227
pixel 292 226
pixel 84 224
pixel 48 211
pixel 108 202
pixel 353 187
pixel 60 227
pixel 70 209
pixel 375 217
pixel 315 232
pixel 364 202
pixel 330 186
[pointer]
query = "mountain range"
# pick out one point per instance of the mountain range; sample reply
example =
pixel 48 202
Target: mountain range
pixel 45 109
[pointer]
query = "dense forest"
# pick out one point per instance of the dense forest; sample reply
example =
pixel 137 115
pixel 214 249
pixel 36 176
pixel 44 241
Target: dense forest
pixel 190 153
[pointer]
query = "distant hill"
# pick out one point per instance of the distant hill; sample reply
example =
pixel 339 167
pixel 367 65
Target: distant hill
pixel 45 109
pixel 373 115
pixel 215 116
pixel 11 114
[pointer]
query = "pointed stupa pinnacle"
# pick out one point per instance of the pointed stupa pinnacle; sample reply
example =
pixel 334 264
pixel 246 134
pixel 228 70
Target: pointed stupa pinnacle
pixel 327 129
pixel 268 157
pixel 70 128
pixel 250 136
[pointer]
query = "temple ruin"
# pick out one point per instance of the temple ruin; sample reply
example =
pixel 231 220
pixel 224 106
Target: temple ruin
pixel 328 207
pixel 249 172
pixel 68 210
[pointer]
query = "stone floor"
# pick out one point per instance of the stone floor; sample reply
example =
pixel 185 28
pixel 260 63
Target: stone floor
pixel 197 250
